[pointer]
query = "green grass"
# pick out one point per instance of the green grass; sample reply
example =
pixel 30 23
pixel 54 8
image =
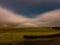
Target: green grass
pixel 9 35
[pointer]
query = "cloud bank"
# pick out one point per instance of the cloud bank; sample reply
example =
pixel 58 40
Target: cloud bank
pixel 10 17
pixel 47 19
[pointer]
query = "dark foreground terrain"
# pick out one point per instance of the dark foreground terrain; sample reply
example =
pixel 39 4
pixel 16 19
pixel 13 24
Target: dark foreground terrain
pixel 50 42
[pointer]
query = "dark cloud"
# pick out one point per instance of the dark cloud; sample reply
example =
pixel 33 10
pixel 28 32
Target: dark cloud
pixel 24 3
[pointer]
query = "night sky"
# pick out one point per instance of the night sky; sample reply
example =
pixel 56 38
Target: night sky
pixel 30 13
pixel 31 8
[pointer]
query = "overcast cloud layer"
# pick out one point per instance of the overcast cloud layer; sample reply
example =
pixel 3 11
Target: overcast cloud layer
pixel 47 19
pixel 46 13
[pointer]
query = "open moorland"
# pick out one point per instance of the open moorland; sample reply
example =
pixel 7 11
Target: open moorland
pixel 11 35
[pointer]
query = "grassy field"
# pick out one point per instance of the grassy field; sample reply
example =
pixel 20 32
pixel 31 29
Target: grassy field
pixel 11 35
